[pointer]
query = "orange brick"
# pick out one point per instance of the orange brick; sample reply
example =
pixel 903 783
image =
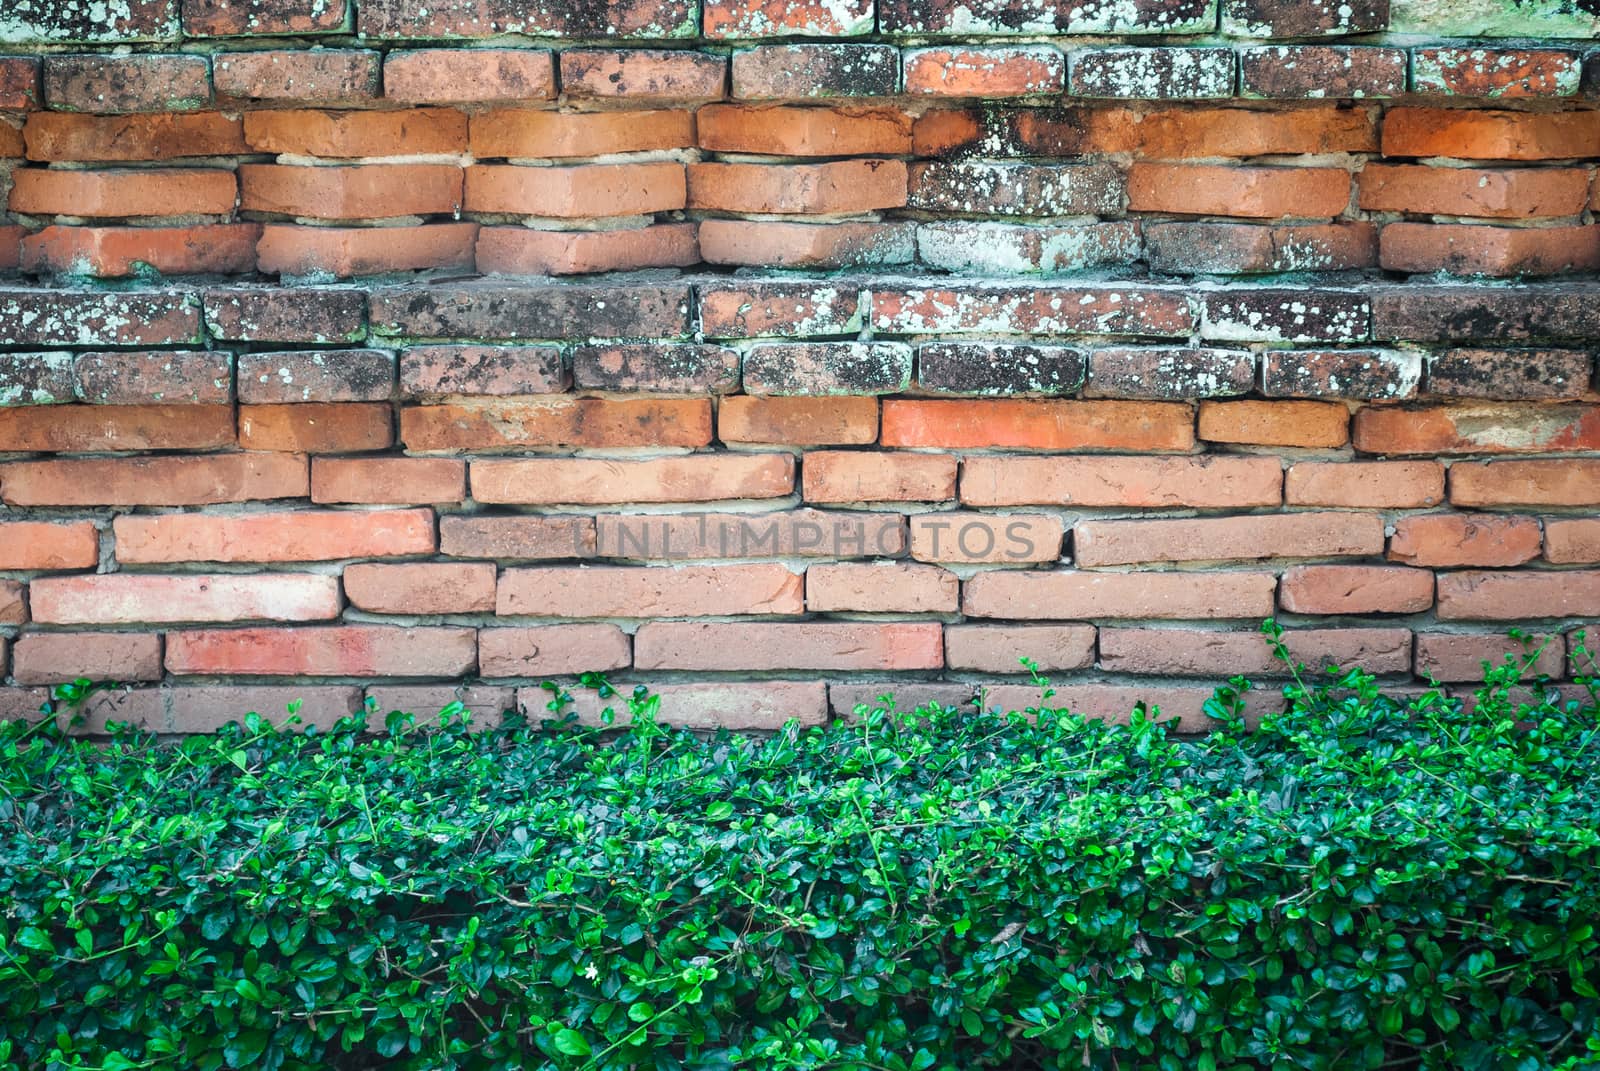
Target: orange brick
pixel 517 133
pixel 329 651
pixel 1117 482
pixel 421 587
pixel 814 189
pixel 843 421
pixel 60 137
pixel 57 657
pixel 522 251
pixel 468 75
pixel 291 536
pixel 120 252
pixel 1486 134
pixel 1495 193
pixel 124 193
pixel 642 74
pixel 1570 541
pixel 974 538
pixel 12 145
pixel 585 481
pixel 557 421
pixel 1256 192
pixel 1065 595
pixel 649 592
pixel 368 192
pixel 788 130
pixel 19 83
pixel 1496 72
pixel 326 76
pixel 1519 596
pixel 782 244
pixel 1448 657
pixel 576 192
pixel 1474 249
pixel 1305 424
pixel 1450 540
pixel 764 705
pixel 871 476
pixel 140 598
pixel 95 429
pixel 26 545
pixel 1000 648
pixel 388 480
pixel 317 427
pixel 881 588
pixel 11 238
pixel 355 134
pixel 984 72
pixel 521 538
pixel 1563 482
pixel 1290 535
pixel 348 251
pixel 154 481
pixel 1356 589
pixel 1478 429
pixel 13 607
pixel 1039 425
pixel 1209 653
pixel 1365 484
pixel 552 650
pixel 755 646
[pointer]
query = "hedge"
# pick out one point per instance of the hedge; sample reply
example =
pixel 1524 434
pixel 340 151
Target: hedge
pixel 1363 882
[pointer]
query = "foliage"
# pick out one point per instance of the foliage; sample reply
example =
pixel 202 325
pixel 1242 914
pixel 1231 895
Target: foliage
pixel 1363 882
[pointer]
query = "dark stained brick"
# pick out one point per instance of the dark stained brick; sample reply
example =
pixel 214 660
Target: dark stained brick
pixel 1047 16
pixel 798 72
pixel 582 19
pixel 1152 73
pixel 1303 18
pixel 31 22
pixel 34 317
pixel 1210 248
pixel 1509 374
pixel 301 315
pixel 1285 315
pixel 991 368
pixel 499 311
pixel 1169 372
pixel 240 18
pixel 1486 314
pixel 1365 373
pixel 1330 72
pixel 672 368
pixel 1004 189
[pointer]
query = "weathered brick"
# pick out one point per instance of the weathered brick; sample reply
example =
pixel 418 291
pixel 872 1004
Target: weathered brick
pixel 1152 73
pixel 123 252
pixel 54 657
pixel 13 607
pixel 364 192
pixel 291 536
pixel 421 588
pixel 520 538
pixel 802 533
pixel 800 71
pixel 1210 653
pixel 1487 134
pixel 1451 540
pixel 827 246
pixel 88 429
pixel 988 368
pixel 1121 482
pixel 1565 482
pixel 986 538
pixel 1297 18
pixel 1364 373
pixel 1365 484
pixel 140 598
pixel 881 588
pixel 1000 648
pixel 1290 535
pixel 52 22
pixel 153 481
pixel 139 377
pixel 19 82
pixel 143 708
pixel 37 378
pixel 576 192
pixel 28 545
pixel 756 308
pixel 1518 596
pixel 846 700
pixel 124 193
pixel 1436 313
pixel 38 317
pixel 789 130
pixel 344 252
pixel 1356 589
pixel 764 705
pixel 1261 192
pixel 520 133
pixel 989 73
pixel 1495 72
pixel 1010 249
pixel 752 646
pixel 552 650
pixel 1015 189
pixel 317 427
pixel 1474 249
pixel 1569 541
pixel 207 708
pixel 1255 423
pixel 58 137
pixel 1042 310
pixel 1496 193
pixel 1304 72
pixel 966 17
pixel 482 370
pixel 872 476
pixel 329 651
pixel 1039 425
pixel 11 237
pixel 814 189
pixel 233 18
pixel 649 592
pixel 592 481
pixel 798 421
pixel 557 421
pixel 482 311
pixel 1531 374
pixel 316 376
pixel 1451 657
pixel 584 20
pixel 1063 595
pixel 668 367
pixel 460 75
pixel 387 480
pixel 523 251
pixel 786 18
pixel 1215 248
pixel 1478 429
pixel 303 314
pixel 485 704
pixel 1175 372
pixel 322 76
pixel 351 134
pixel 121 84
pixel 642 74
pixel 827 368
pixel 1183 708
pixel 1284 315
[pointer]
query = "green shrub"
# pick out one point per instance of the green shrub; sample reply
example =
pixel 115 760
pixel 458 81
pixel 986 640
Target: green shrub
pixel 1364 882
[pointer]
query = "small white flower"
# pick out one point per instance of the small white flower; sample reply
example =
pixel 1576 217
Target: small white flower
pixel 590 972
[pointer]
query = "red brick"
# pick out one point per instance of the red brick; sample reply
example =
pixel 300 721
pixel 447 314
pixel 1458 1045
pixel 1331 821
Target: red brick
pixel 1039 425
pixel 764 705
pixel 988 248
pixel 552 650
pixel 824 246
pixel 751 646
pixel 1152 73
pixel 246 18
pixel 123 193
pixel 1495 72
pixel 57 137
pixel 815 189
pixel 642 74
pixel 521 538
pixel 121 252
pixel 808 71
pixel 1539 374
pixel 388 480
pixel 1215 248
pixel 523 251
pixel 484 370
pixel 797 421
pixel 1365 484
pixel 36 316
pixel 786 18
pixel 421 588
pixel 88 429
pixel 1478 429
pixel 370 192
pixel 1291 535
pixel 468 75
pixel 206 709
pixel 1305 424
pixel 11 246
pixel 649 592
pixel 1347 373
pixel 409 131
pixel 323 76
pixel 1356 589
pixel 154 481
pixel 121 84
pixel 1451 657
pixel 872 476
pixel 881 588
pixel 286 376
pixel 1518 596
pixel 55 657
pixel 650 19
pixel 1571 541
pixel 27 545
pixel 986 538
pixel 177 377
pixel 754 308
pixel 988 73
pixel 1304 72
pixel 1495 193
pixel 13 608
pixel 19 83
pixel 1474 249
pixel 1175 372
pixel 520 133
pixel 1565 482
pixel 331 651
pixel 1063 595
pixel 484 703
pixel 290 536
pixel 1264 192
pixel 348 251
pixel 800 533
pixel 1485 134
pixel 789 130
pixel 1000 648
pixel 136 599
pixel 279 314
pixel 1450 540
pixel 576 192
pixel 1196 653
pixel 1120 482
pixel 665 367
pixel 317 427
pixel 558 421
pixel 1033 309
pixel 592 481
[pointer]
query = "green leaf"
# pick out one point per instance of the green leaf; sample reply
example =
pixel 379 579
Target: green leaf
pixel 569 1042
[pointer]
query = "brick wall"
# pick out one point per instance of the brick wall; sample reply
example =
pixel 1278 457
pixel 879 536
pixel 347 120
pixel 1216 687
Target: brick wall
pixel 778 353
